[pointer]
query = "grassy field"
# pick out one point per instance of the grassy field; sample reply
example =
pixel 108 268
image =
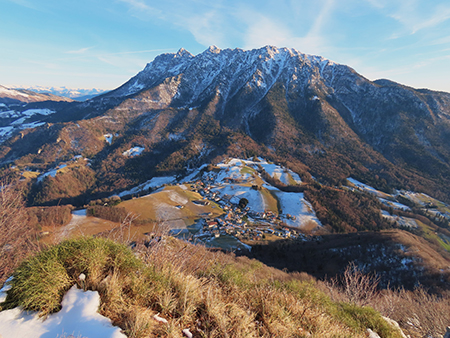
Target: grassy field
pixel 270 200
pixel 162 206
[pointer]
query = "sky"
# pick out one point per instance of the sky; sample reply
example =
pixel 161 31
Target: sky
pixel 103 43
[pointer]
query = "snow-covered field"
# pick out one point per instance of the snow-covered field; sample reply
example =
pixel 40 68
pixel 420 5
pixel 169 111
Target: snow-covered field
pixel 235 167
pixel 78 317
pixel 295 205
pixel 366 188
pixel 236 192
pixel 402 221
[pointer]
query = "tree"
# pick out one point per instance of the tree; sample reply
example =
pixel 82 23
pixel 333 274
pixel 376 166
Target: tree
pixel 243 203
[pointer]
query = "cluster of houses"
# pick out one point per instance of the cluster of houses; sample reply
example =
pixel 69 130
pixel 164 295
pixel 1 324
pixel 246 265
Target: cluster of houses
pixel 241 223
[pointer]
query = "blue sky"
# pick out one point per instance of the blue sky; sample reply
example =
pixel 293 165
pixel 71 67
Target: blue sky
pixel 102 43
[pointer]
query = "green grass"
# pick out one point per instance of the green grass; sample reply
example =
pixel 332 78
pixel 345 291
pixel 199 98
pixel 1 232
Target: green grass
pixel 430 234
pixel 247 170
pixel 40 282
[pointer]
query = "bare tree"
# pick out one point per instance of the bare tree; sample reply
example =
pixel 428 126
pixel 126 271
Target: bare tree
pixel 354 286
pixel 15 232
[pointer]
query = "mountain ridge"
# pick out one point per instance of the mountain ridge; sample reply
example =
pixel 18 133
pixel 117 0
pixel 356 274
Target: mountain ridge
pixel 332 122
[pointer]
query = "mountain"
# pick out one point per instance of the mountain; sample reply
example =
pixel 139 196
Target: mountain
pixel 350 169
pixel 9 95
pixel 78 94
pixel 320 118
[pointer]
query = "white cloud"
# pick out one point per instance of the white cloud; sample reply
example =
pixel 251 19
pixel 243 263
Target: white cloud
pixel 264 30
pixel 79 51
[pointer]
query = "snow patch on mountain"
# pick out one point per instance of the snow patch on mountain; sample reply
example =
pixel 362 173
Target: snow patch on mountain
pixel 300 210
pixel 135 151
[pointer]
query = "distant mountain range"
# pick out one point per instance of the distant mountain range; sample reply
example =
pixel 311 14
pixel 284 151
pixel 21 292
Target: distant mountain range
pixel 78 94
pixel 10 95
pixel 322 119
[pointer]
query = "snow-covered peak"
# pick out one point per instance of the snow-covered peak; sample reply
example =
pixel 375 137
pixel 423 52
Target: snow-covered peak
pixel 183 52
pixel 214 49
pixel 223 71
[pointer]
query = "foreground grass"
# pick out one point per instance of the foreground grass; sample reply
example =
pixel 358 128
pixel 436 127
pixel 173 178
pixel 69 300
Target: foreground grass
pixel 212 294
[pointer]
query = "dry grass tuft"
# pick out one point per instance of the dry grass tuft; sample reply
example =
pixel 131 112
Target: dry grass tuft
pixel 210 293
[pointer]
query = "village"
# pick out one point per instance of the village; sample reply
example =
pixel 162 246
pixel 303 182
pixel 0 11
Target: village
pixel 238 220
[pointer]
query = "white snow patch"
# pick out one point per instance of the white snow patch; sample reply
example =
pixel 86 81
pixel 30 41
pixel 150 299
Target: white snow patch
pixel 402 221
pixel 78 317
pixel 295 204
pixel 31 112
pixel 191 176
pixel 19 121
pixel 393 204
pixel 4 131
pixel 236 192
pixel 32 125
pixel 51 173
pixel 108 138
pixel 135 151
pixel 176 197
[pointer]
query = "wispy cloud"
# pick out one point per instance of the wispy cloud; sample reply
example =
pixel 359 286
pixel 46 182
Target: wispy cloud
pixel 263 30
pixel 79 51
pixel 413 15
pixel 141 10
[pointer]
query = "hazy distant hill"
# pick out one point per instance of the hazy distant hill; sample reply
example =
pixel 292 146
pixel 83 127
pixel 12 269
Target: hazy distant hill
pixel 9 95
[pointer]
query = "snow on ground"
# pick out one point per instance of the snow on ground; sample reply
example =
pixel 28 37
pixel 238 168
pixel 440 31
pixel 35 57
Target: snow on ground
pixel 153 183
pixel 31 112
pixel 418 198
pixel 395 205
pixel 32 125
pixel 51 173
pixel 19 121
pixel 4 131
pixel 234 166
pixel 108 138
pixel 135 151
pixel 294 203
pixel 9 114
pixel 78 317
pixel 193 174
pixel 402 221
pixel 363 186
pixel 176 197
pixel 232 169
pixel 236 192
